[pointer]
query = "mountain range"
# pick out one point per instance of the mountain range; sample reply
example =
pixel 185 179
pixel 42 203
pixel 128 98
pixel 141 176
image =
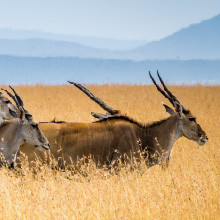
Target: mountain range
pixel 88 41
pixel 198 41
pixel 191 55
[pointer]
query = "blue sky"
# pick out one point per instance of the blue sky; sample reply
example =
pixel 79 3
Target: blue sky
pixel 119 19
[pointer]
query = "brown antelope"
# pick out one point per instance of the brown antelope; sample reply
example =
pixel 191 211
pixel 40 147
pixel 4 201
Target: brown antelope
pixel 185 125
pixel 17 131
pixel 114 137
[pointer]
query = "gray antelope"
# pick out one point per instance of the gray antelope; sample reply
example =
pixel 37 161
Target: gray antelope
pixel 17 131
pixel 115 135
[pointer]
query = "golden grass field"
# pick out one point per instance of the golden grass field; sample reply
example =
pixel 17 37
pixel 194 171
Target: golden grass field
pixel 188 189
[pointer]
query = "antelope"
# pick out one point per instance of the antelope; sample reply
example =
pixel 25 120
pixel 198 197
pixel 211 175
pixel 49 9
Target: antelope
pixel 183 124
pixel 114 136
pixel 17 131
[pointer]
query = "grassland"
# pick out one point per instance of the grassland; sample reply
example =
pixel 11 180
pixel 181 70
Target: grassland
pixel 188 189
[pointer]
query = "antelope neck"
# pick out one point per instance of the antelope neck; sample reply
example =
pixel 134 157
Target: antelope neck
pixel 162 134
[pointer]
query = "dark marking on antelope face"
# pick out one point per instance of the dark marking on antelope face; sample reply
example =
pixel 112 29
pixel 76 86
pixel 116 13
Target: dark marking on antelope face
pixel 192 130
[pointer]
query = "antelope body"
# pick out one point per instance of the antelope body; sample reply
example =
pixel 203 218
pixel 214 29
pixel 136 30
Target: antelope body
pixel 102 140
pixel 113 138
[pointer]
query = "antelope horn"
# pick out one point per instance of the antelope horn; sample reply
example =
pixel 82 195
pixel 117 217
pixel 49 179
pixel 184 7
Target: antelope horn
pixel 12 96
pixel 160 90
pixel 101 116
pixel 166 92
pixel 166 89
pixel 95 99
pixel 21 103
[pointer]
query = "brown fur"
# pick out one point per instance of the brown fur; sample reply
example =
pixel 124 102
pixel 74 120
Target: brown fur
pixel 110 139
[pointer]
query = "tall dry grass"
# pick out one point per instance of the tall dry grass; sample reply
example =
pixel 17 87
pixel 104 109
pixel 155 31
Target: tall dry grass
pixel 188 189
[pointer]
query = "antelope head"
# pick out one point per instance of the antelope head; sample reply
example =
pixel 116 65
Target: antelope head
pixel 188 126
pixel 30 131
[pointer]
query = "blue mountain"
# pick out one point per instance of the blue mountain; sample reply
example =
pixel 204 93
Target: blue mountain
pixel 95 42
pixel 49 48
pixel 198 41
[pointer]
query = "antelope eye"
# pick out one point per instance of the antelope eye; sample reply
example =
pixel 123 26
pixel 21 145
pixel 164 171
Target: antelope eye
pixel 192 119
pixel 34 125
pixel 7 102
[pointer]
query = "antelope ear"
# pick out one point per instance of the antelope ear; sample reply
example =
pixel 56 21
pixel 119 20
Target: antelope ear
pixel 21 114
pixel 178 108
pixel 168 109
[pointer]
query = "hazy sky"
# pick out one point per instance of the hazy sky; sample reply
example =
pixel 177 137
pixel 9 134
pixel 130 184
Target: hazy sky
pixel 122 19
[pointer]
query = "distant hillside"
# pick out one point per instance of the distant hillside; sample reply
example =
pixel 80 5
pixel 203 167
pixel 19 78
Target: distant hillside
pixel 48 48
pixel 198 41
pixel 95 42
pixel 57 70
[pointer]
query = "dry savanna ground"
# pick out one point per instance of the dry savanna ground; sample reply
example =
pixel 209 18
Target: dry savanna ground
pixel 188 189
